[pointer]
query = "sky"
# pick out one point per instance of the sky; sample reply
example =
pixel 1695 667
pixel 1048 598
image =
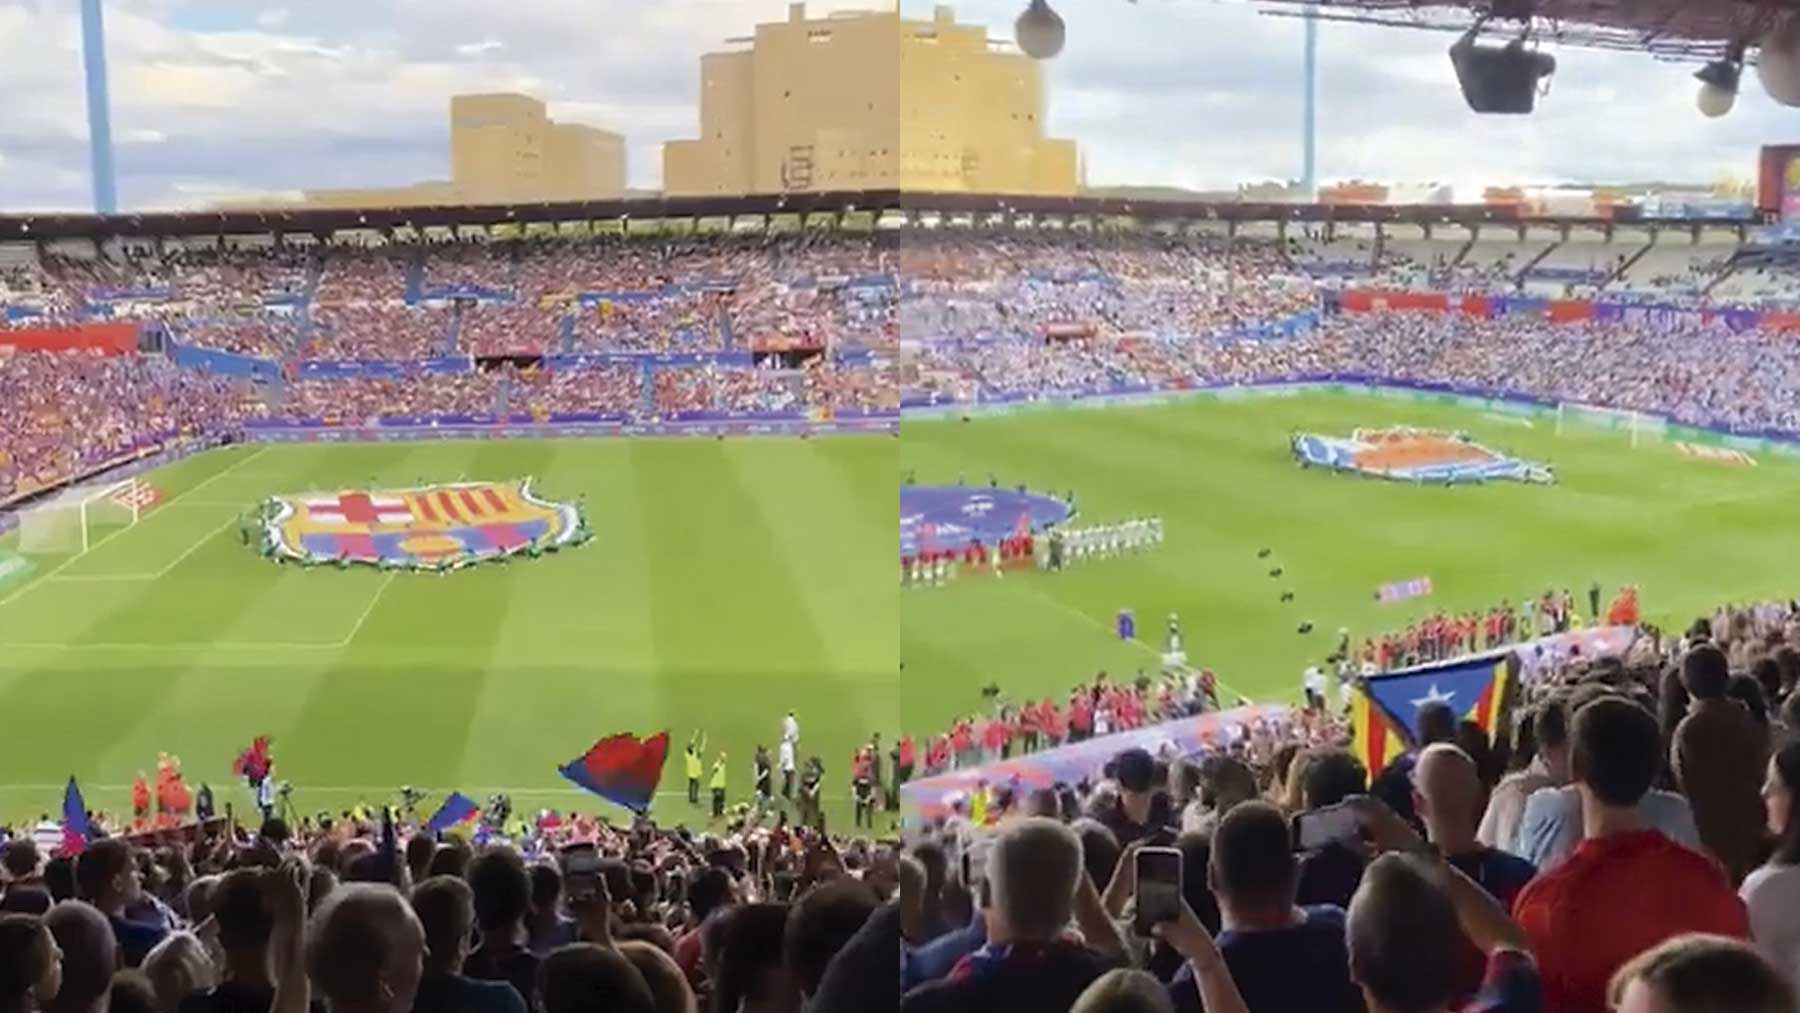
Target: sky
pixel 222 99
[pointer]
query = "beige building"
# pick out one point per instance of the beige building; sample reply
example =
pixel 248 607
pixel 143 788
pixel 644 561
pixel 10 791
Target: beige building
pixel 870 100
pixel 504 148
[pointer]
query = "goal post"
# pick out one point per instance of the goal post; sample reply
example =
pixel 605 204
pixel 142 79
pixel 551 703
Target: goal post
pixel 1638 426
pixel 76 520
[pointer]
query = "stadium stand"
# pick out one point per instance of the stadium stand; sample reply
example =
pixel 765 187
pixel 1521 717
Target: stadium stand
pixel 321 911
pixel 1469 905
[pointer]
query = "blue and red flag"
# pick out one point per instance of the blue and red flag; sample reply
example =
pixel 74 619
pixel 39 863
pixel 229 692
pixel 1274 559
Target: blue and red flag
pixel 1385 715
pixel 456 810
pixel 621 769
pixel 74 821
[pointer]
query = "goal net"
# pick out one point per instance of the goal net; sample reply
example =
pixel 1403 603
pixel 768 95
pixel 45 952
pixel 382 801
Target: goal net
pixel 76 520
pixel 1637 425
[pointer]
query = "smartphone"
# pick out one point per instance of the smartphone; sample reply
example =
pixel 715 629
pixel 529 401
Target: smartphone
pixel 1158 888
pixel 1318 827
pixel 581 872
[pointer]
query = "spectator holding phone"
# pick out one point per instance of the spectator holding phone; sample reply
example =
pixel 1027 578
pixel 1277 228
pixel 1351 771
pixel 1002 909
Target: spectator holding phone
pixel 1411 919
pixel 1281 956
pixel 1331 861
pixel 1029 964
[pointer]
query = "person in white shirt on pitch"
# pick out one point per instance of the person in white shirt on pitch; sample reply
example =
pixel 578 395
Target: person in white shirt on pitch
pixel 790 728
pixel 1313 680
pixel 785 760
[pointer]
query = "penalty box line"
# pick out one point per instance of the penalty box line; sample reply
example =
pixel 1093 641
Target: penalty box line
pixel 178 497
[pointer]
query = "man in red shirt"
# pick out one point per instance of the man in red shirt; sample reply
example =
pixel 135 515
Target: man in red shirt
pixel 904 760
pixel 1081 718
pixel 993 739
pixel 1626 888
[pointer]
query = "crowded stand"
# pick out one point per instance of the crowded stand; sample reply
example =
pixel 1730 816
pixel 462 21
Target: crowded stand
pixel 357 274
pixel 63 414
pixel 611 390
pixel 1474 872
pixel 685 390
pixel 499 329
pixel 852 389
pixel 366 911
pixel 386 332
pixel 658 323
pixel 262 336
pixel 355 400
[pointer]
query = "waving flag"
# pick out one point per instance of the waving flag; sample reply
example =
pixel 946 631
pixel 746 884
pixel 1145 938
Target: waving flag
pixel 75 821
pixel 621 769
pixel 456 810
pixel 1385 715
pixel 1372 739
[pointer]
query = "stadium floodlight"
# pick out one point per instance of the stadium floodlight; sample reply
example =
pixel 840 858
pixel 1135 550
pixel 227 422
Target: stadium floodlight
pixel 1039 31
pixel 1778 63
pixel 1719 83
pixel 1499 79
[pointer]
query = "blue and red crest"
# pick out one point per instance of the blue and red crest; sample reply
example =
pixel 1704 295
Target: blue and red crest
pixel 1410 454
pixel 433 527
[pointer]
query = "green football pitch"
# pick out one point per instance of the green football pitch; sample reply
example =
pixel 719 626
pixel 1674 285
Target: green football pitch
pixel 1691 532
pixel 728 581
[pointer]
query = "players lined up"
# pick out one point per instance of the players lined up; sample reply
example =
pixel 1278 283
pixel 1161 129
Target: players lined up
pixel 1061 547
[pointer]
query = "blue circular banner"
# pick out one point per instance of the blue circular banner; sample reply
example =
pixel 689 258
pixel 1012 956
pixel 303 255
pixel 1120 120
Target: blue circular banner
pixel 940 517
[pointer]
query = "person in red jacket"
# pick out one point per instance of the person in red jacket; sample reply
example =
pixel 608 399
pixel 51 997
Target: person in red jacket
pixel 937 756
pixel 962 743
pixel 993 739
pixel 1081 718
pixel 905 757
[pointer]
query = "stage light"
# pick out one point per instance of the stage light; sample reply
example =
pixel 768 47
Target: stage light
pixel 1719 85
pixel 1039 31
pixel 1499 79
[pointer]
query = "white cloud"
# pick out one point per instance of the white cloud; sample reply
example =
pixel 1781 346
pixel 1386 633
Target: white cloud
pixel 479 48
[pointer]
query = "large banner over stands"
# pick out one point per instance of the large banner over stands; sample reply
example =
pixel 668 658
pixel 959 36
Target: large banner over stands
pixel 101 339
pixel 935 798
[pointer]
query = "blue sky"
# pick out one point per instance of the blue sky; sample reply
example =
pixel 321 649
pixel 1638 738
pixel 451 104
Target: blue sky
pixel 216 99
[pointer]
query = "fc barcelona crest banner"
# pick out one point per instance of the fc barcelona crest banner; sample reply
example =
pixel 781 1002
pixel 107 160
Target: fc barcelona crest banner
pixel 437 527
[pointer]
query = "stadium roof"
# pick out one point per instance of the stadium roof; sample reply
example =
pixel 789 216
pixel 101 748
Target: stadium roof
pixel 322 221
pixel 26 228
pixel 1683 29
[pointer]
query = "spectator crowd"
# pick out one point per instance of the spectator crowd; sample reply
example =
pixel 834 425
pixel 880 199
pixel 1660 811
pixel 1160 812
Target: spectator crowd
pixel 1626 842
pixel 375 913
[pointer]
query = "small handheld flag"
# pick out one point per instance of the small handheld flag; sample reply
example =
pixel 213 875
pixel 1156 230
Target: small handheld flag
pixel 75 821
pixel 456 810
pixel 621 769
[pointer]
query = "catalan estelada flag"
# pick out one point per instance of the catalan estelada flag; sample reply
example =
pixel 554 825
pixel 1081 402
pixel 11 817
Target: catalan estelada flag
pixel 1373 741
pixel 1385 715
pixel 621 769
